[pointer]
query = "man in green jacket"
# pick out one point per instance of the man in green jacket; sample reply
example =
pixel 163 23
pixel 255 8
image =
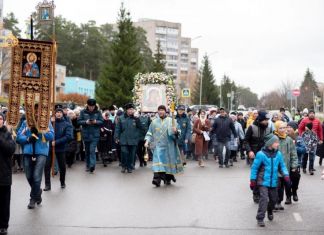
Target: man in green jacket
pixel 126 134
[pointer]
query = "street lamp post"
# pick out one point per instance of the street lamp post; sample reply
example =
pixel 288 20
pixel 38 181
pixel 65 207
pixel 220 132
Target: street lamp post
pixel 228 102
pixel 200 90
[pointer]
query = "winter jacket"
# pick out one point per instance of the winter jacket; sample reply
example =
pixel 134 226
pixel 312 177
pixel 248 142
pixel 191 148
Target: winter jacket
pixel 7 148
pixel 41 148
pixel 265 168
pixel 254 137
pixel 288 150
pixel 310 140
pixel 223 128
pixel 240 134
pixel 243 124
pixel 63 134
pixel 90 132
pixel 127 130
pixel 317 127
pixel 300 145
pixel 145 123
pixel 185 127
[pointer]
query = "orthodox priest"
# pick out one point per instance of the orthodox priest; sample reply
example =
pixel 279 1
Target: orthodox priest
pixel 162 138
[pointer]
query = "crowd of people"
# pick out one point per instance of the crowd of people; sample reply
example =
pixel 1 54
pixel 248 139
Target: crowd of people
pixel 276 147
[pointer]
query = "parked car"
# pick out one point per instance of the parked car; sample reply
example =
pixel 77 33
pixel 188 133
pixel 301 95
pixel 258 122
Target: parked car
pixel 206 107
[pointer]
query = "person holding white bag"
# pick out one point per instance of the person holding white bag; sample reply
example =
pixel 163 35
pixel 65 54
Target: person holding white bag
pixel 201 127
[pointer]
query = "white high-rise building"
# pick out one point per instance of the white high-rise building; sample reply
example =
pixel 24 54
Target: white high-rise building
pixel 177 50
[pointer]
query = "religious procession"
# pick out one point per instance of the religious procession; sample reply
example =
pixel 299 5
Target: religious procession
pixel 138 149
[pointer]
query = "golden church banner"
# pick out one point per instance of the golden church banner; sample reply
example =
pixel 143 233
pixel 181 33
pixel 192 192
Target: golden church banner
pixel 32 77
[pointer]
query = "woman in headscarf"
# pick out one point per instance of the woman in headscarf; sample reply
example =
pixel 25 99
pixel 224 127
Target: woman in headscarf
pixel 201 126
pixel 288 150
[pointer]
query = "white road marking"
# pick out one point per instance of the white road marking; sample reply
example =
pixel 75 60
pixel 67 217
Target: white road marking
pixel 298 217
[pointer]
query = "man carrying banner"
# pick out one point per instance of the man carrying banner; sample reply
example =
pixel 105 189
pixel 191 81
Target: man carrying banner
pixel 35 149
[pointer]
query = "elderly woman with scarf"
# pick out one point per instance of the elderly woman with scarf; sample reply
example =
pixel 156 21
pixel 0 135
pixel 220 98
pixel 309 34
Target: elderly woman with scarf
pixel 201 125
pixel 288 150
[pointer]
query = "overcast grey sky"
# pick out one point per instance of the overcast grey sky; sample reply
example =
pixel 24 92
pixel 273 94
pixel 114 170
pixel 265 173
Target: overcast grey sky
pixel 259 43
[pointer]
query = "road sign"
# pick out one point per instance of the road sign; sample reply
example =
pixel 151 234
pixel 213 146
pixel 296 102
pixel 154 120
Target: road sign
pixel 185 92
pixel 296 92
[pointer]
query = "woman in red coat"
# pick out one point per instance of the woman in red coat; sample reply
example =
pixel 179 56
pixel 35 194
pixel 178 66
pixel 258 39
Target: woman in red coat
pixel 201 125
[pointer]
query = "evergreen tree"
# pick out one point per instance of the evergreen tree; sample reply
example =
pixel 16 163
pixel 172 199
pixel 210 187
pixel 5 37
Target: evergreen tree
pixel 209 94
pixel 228 87
pixel 308 90
pixel 116 80
pixel 159 59
pixel 10 22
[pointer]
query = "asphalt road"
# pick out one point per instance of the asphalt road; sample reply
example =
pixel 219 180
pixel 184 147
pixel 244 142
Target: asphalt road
pixel 203 201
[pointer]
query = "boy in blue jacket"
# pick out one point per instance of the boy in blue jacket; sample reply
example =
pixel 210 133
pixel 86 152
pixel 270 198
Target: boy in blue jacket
pixel 264 174
pixel 35 149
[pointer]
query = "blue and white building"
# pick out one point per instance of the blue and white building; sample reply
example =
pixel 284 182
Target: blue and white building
pixel 79 85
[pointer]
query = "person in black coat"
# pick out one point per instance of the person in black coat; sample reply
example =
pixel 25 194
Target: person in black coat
pixel 7 146
pixel 106 139
pixel 223 127
pixel 63 134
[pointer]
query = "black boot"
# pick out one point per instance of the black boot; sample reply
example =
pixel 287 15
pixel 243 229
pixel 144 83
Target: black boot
pixel 295 197
pixel 261 223
pixel 288 201
pixel 31 204
pixel 270 215
pixel 156 182
pixel 47 188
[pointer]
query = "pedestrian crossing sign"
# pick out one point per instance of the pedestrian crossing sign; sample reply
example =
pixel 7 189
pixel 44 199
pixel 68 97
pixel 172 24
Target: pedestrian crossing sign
pixel 185 92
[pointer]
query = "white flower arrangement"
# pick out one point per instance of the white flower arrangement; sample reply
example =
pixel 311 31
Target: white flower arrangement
pixel 153 78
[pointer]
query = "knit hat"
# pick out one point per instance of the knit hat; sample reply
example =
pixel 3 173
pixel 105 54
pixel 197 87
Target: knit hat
pixel 91 102
pixel 293 125
pixel 59 110
pixel 263 115
pixel 309 125
pixel 181 107
pixel 270 139
pixel 129 106
pixel 305 110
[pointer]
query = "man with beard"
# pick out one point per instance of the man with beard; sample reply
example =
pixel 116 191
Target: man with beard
pixel 162 138
pixel 127 132
pixel 254 141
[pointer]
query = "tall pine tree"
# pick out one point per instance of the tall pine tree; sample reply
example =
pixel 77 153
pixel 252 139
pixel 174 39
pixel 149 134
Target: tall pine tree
pixel 209 94
pixel 159 59
pixel 116 80
pixel 228 87
pixel 10 22
pixel 308 89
